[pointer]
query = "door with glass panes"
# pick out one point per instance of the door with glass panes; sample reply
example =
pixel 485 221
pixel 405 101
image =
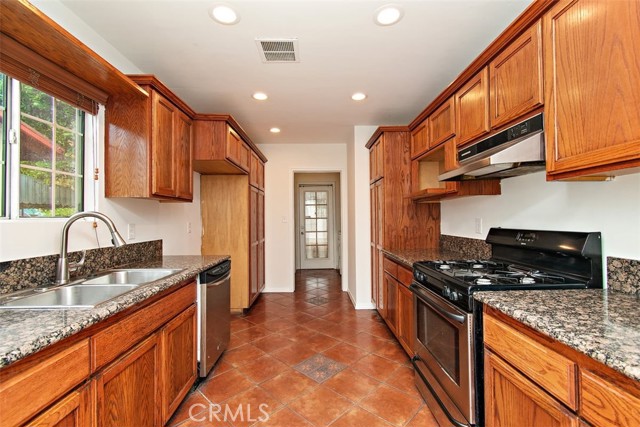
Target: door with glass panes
pixel 316 227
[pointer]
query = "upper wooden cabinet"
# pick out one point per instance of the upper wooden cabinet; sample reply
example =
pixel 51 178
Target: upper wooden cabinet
pixel 420 139
pixel 256 173
pixel 472 108
pixel 442 123
pixel 152 136
pixel 221 146
pixel 376 160
pixel 516 78
pixel 592 95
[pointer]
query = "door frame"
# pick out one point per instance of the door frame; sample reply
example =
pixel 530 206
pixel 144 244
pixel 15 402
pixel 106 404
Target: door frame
pixel 333 237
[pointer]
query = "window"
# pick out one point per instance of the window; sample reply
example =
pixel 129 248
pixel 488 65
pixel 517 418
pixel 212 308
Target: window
pixel 45 158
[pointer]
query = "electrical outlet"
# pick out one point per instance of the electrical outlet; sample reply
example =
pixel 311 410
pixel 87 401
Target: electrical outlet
pixel 188 227
pixel 131 232
pixel 478 225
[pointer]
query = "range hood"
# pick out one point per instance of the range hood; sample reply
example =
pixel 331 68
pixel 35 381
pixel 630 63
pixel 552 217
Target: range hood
pixel 515 151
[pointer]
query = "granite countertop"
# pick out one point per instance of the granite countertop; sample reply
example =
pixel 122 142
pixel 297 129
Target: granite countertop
pixel 24 332
pixel 409 256
pixel 600 323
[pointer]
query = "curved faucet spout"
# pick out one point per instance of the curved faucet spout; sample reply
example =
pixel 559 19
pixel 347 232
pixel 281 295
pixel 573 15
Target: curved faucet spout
pixel 62 271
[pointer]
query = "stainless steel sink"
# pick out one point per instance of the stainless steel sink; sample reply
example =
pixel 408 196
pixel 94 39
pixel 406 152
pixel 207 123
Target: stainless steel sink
pixel 131 276
pixel 86 293
pixel 70 296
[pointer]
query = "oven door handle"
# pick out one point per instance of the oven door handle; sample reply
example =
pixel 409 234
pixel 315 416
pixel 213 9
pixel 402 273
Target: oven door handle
pixel 426 298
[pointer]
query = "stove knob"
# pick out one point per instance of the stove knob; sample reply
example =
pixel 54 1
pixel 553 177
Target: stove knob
pixel 454 296
pixel 446 292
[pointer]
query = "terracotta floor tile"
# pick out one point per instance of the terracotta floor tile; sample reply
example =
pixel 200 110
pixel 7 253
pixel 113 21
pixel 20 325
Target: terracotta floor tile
pixel 285 417
pixel 424 418
pixel 391 404
pixel 320 342
pixel 224 386
pixel 345 353
pixel 243 354
pixel 203 420
pixel 293 354
pixel 403 379
pixel 352 384
pixel 262 368
pixel 288 385
pixel 278 324
pixel 253 333
pixel 319 324
pixel 368 342
pixel 376 366
pixel 247 407
pixel 239 324
pixel 358 417
pixel 391 350
pixel 298 333
pixel 320 406
pixel 272 343
pixel 220 367
pixel 194 404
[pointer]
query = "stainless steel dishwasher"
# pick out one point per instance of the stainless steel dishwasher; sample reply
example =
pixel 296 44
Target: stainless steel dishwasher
pixel 214 315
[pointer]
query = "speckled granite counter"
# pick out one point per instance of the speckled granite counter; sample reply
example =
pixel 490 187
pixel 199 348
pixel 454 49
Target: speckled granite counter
pixel 24 332
pixel 409 256
pixel 599 323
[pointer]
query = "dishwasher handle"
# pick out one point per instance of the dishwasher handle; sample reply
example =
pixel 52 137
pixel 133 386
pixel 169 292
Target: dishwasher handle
pixel 216 274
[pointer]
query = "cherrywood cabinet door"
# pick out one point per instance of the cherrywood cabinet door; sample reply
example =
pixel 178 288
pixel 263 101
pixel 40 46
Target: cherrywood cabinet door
pixel 178 340
pixel 472 108
pixel 405 319
pixel 591 71
pixel 513 400
pixel 261 242
pixel 163 169
pixel 233 145
pixel 391 298
pixel 420 139
pixel 74 410
pixel 244 156
pixel 442 123
pixel 516 78
pixel 184 156
pixel 372 164
pixel 254 242
pixel 380 158
pixel 128 391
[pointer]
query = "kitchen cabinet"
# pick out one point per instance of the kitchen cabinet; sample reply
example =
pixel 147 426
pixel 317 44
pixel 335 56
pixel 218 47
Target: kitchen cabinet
pixel 442 123
pixel 420 139
pixel 256 238
pixel 406 322
pixel 472 108
pixel 376 160
pixel 532 379
pixel 152 136
pixel 221 146
pixel 256 174
pixel 391 298
pixel 179 360
pixel 591 72
pixel 516 86
pixel 398 313
pixel 74 410
pixel 128 390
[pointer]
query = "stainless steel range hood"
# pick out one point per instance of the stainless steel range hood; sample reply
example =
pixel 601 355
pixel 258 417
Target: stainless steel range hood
pixel 515 151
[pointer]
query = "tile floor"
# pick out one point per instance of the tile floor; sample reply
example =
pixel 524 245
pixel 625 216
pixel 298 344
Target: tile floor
pixel 314 361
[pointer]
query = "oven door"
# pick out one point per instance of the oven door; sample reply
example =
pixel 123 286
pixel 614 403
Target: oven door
pixel 444 353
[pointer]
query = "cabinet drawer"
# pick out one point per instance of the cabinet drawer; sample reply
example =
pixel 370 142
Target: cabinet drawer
pixel 405 276
pixel 24 394
pixel 552 371
pixel 605 404
pixel 113 341
pixel 390 267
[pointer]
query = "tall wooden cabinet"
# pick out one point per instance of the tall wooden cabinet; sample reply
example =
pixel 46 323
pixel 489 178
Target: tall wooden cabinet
pixel 153 137
pixel 232 193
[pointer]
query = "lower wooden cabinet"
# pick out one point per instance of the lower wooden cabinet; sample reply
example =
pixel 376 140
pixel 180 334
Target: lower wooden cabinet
pixel 391 296
pixel 128 392
pixel 397 300
pixel 512 400
pixel 406 325
pixel 74 410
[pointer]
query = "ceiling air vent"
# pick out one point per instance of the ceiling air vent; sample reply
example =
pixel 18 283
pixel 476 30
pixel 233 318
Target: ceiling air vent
pixel 278 50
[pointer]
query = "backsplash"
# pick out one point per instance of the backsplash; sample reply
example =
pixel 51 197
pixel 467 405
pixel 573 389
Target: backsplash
pixel 39 271
pixel 623 275
pixel 469 248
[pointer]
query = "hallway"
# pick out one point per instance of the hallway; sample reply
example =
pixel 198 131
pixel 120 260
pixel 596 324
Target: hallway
pixel 313 360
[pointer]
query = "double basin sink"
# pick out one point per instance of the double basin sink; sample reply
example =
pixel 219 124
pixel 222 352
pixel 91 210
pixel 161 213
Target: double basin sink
pixel 86 293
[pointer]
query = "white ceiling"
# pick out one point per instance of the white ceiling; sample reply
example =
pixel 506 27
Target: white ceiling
pixel 216 68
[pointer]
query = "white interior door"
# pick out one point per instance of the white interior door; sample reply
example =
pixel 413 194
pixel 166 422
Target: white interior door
pixel 316 227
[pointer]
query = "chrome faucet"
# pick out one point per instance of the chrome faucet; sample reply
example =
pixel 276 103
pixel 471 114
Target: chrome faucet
pixel 62 271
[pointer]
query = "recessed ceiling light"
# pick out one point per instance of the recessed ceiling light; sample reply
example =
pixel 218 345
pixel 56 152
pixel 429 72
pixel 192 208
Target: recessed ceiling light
pixel 388 14
pixel 274 130
pixel 260 96
pixel 358 96
pixel 224 14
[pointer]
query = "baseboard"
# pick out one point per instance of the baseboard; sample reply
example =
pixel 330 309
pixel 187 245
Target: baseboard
pixel 269 290
pixel 357 306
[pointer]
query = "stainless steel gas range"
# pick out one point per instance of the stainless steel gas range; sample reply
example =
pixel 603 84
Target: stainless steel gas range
pixel 449 350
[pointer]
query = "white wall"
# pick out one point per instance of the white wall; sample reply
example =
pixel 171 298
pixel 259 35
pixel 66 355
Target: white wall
pixel 153 220
pixel 280 233
pixel 359 236
pixel 529 201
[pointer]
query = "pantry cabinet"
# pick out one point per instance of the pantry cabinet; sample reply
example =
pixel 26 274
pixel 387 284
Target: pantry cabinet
pixel 472 108
pixel 530 379
pixel 591 72
pixel 152 136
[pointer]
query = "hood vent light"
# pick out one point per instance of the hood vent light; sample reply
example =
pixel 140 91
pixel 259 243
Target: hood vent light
pixel 278 50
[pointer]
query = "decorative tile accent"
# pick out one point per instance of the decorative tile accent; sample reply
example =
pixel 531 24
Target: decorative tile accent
pixel 469 248
pixel 319 368
pixel 39 271
pixel 318 300
pixel 623 275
